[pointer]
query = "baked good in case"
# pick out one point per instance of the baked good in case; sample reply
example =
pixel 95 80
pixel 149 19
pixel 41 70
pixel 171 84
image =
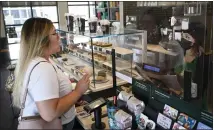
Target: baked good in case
pixel 101 75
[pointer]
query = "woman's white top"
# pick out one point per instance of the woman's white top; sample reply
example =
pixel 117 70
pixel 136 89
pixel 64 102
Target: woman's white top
pixel 46 83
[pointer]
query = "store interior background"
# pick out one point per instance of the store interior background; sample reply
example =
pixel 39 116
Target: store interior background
pixel 126 9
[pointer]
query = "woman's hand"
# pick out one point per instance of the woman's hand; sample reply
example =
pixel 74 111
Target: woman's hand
pixel 83 84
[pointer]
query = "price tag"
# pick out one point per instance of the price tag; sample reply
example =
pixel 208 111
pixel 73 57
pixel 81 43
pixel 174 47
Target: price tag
pixel 164 121
pixel 108 52
pixel 119 55
pixel 170 112
pixel 100 49
pixel 177 126
pixel 95 48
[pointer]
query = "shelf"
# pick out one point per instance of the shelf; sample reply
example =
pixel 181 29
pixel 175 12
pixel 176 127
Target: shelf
pixel 155 48
pixel 118 50
pixel 160 49
pixel 120 64
pixel 123 66
pixel 95 35
pixel 71 70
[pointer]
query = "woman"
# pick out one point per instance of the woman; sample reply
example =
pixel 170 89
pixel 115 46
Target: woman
pixel 49 94
pixel 191 42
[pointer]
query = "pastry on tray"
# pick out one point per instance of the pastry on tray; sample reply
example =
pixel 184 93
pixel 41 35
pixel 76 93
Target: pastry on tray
pixel 102 73
pixel 102 58
pixel 101 77
pixel 106 45
pixel 80 51
pixel 95 55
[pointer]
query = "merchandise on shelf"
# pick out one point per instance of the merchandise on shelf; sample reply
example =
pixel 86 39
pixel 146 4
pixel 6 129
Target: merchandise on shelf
pixel 177 126
pixel 186 121
pixel 118 119
pixel 164 121
pixel 170 112
pixel 145 123
pixel 202 126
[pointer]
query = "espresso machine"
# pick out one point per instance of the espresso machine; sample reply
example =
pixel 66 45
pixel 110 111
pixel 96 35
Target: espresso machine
pixel 131 22
pixel 163 75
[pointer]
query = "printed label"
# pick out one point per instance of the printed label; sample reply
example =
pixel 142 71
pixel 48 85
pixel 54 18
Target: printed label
pixel 186 121
pixel 177 126
pixel 164 121
pixel 170 112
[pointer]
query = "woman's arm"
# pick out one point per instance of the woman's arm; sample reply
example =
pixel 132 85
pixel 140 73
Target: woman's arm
pixel 54 108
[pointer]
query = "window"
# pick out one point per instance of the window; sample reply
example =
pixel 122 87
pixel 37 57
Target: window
pixel 82 11
pixel 16 13
pixel 18 32
pixel 85 10
pixel 14 51
pixel 17 21
pixel 23 13
pixel 78 3
pixel 46 12
pixel 92 11
pixel 6 13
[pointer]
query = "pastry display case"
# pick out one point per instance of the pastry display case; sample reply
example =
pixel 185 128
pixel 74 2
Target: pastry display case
pixel 92 53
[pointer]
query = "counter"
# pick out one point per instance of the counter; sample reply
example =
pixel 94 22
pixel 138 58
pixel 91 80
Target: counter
pixel 86 122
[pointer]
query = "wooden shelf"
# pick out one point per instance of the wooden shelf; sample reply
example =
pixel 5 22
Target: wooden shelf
pixel 160 49
pixel 118 50
pixel 78 60
pixel 155 48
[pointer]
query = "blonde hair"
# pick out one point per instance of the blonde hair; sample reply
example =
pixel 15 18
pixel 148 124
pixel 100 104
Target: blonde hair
pixel 34 41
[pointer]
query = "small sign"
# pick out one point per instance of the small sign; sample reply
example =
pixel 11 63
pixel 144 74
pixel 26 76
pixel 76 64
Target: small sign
pixel 186 121
pixel 100 49
pixel 177 126
pixel 164 121
pixel 118 55
pixel 108 52
pixel 170 112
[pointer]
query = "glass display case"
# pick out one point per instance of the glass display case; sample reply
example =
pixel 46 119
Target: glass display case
pixel 92 53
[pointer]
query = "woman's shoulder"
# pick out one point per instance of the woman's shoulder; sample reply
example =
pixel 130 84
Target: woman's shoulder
pixel 40 65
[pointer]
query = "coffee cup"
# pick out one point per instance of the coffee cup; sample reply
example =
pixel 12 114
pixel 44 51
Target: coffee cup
pixel 70 20
pixel 93 24
pixel 105 24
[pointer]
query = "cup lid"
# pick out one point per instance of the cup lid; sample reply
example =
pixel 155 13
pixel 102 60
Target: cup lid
pixel 92 19
pixel 69 14
pixel 104 22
